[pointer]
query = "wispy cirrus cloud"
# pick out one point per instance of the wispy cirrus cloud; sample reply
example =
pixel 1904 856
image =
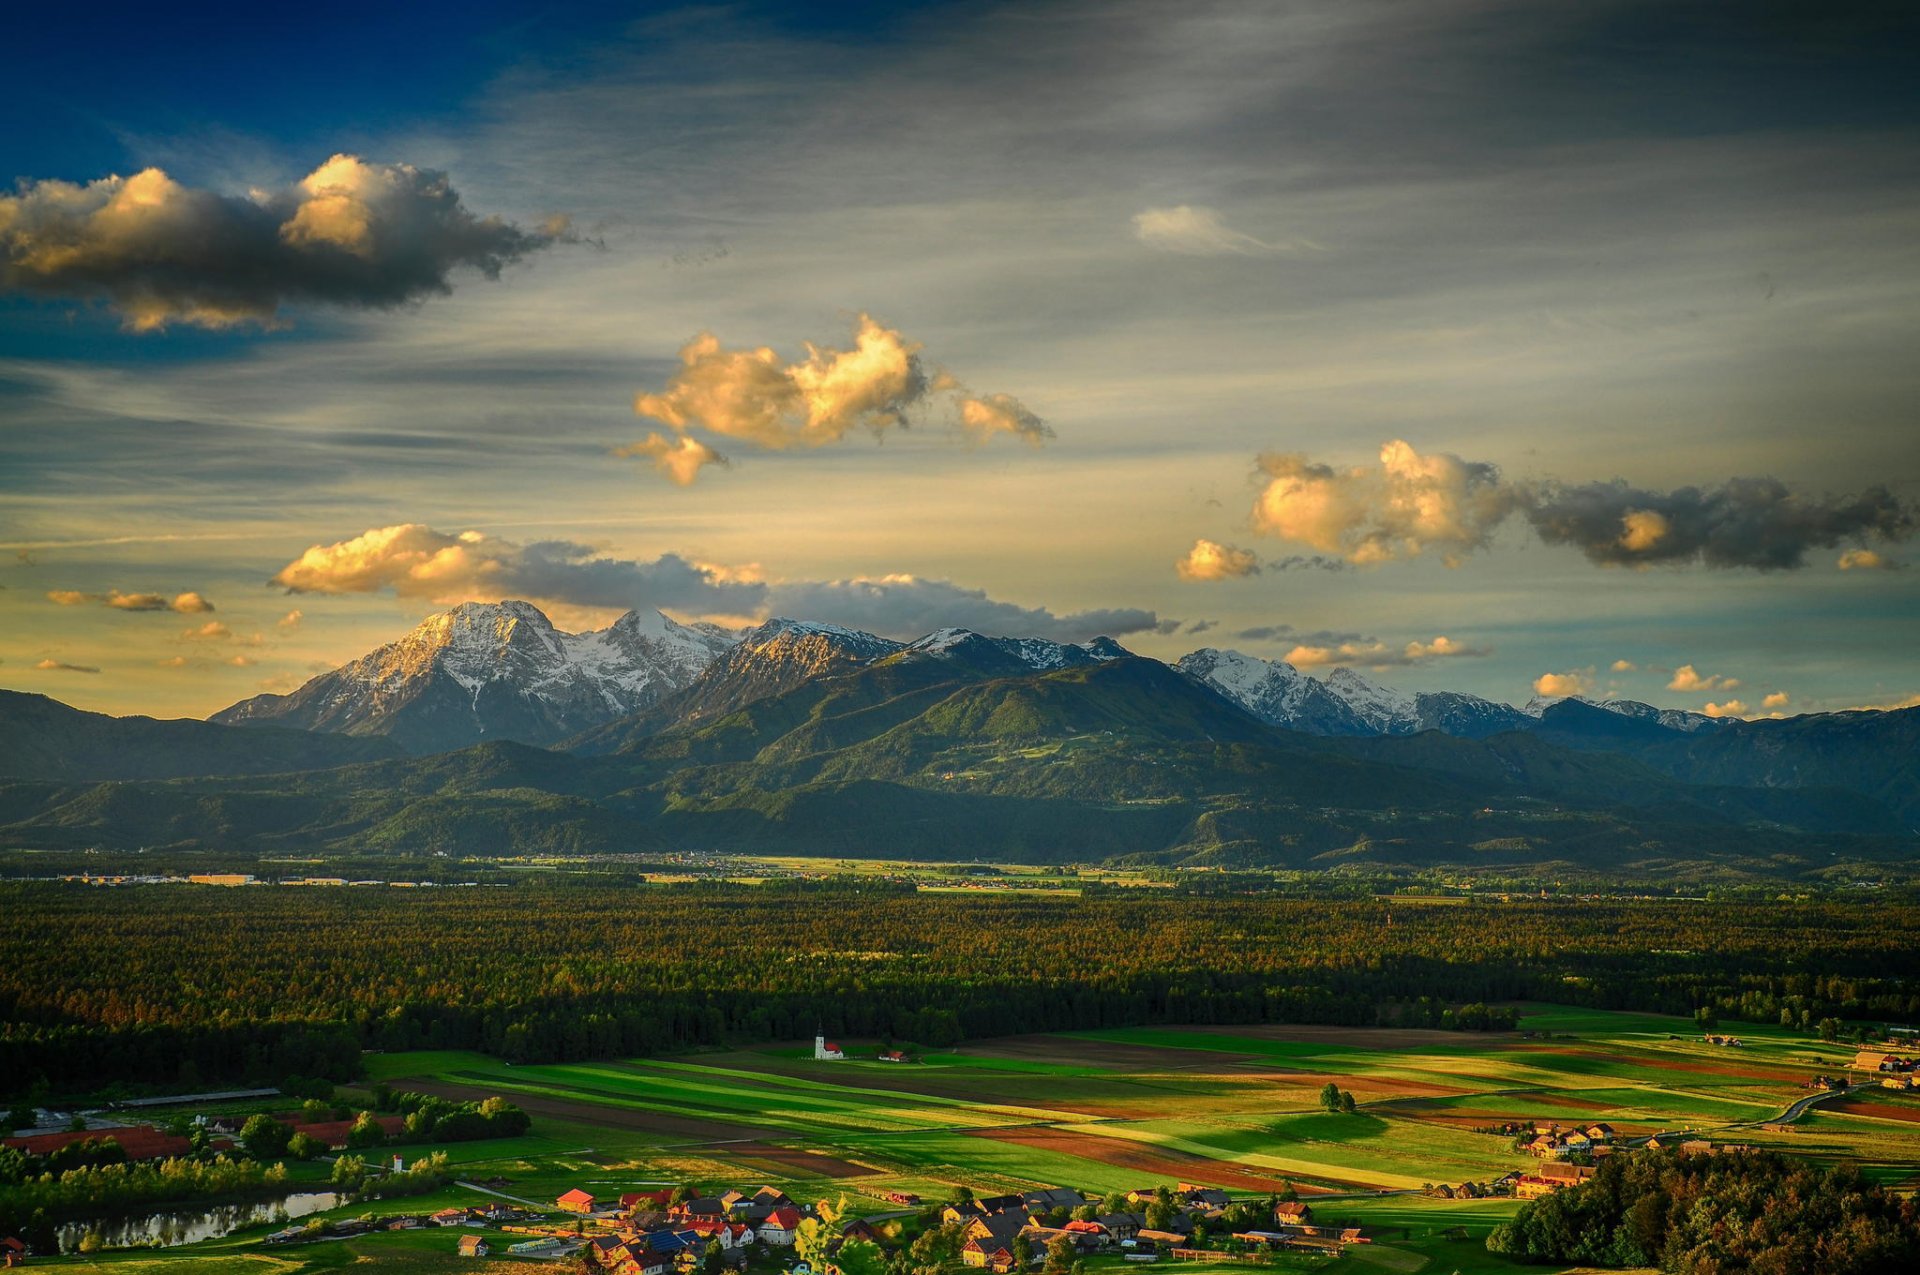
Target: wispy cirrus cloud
pixel 1199 231
pixel 61 666
pixel 350 233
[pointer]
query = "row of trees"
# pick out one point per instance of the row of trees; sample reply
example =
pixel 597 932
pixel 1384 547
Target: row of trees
pixel 234 985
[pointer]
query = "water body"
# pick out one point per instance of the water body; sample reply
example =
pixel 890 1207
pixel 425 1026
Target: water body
pixel 189 1226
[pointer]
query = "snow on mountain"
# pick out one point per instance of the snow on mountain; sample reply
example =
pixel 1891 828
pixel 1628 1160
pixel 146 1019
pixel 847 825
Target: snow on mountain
pixel 1388 711
pixel 1275 692
pixel 1012 654
pixel 1677 719
pixel 495 670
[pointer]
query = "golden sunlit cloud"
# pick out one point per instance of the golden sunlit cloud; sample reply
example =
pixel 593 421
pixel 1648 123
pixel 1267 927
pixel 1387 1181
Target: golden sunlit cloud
pixel 1403 507
pixel 1777 699
pixel 1685 678
pixel 291 620
pixel 1866 560
pixel 761 399
pixel 184 603
pixel 1732 708
pixel 61 666
pixel 1623 666
pixel 1561 685
pixel 350 233
pixel 1412 503
pixel 1380 655
pixel 680 459
pixel 1211 560
pixel 211 631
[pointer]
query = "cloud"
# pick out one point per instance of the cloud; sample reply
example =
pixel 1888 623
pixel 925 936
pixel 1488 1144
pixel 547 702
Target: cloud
pixel 1775 699
pixel 240 661
pixel 172 661
pixel 758 398
pixel 1888 706
pixel 1561 685
pixel 1271 632
pixel 211 631
pixel 1371 653
pixel 1756 523
pixel 1002 414
pixel 679 459
pixel 61 666
pixel 350 233
pixel 1198 231
pixel 1211 560
pixel 906 606
pixel 1866 560
pixel 1623 666
pixel 1201 626
pixel 412 560
pixel 1401 508
pixel 1410 503
pixel 184 603
pixel 291 620
pixel 1686 678
pixel 1732 708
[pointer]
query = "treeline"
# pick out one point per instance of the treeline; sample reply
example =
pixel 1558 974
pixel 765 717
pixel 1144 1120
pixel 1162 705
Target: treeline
pixel 31 1209
pixel 1729 1211
pixel 201 986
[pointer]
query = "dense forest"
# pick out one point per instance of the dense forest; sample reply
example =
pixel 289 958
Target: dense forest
pixel 1730 1211
pixel 184 985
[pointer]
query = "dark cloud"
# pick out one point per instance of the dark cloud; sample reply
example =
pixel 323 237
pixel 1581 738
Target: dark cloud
pixel 1287 633
pixel 1757 523
pixel 1201 626
pixel 61 666
pixel 1305 562
pixel 350 233
pixel 416 561
pixel 907 606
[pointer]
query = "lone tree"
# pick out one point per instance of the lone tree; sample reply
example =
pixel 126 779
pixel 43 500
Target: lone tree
pixel 1330 1097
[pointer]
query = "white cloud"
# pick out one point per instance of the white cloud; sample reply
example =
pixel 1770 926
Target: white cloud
pixel 1731 708
pixel 1196 230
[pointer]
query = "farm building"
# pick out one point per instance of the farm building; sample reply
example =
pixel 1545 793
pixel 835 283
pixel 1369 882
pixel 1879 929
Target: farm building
pixel 473 1246
pixel 575 1201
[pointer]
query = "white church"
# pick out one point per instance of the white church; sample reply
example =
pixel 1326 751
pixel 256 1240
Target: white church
pixel 825 1050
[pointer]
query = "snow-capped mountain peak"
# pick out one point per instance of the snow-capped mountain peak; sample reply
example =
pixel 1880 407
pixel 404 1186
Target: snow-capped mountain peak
pixel 1389 711
pixel 1274 691
pixel 495 670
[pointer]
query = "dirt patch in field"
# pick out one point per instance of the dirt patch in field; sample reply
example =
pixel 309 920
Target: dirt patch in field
pixel 633 1119
pixel 1156 1164
pixel 783 1160
pixel 1367 1088
pixel 1782 1075
pixel 1409 1038
pixel 1072 1051
pixel 1880 1110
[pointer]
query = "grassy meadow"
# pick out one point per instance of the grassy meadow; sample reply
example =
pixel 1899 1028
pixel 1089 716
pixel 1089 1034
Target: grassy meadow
pixel 1128 1108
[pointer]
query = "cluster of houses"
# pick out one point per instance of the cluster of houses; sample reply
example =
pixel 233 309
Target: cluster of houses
pixel 994 1226
pixel 1551 1142
pixel 1883 1063
pixel 653 1234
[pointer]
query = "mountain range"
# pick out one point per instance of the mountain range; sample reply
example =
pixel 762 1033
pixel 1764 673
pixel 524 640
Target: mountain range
pixel 815 738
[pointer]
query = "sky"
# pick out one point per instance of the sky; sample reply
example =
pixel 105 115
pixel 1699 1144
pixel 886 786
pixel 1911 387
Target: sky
pixel 1501 347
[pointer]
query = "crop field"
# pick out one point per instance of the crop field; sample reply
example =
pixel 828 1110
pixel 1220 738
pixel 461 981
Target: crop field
pixel 1237 1108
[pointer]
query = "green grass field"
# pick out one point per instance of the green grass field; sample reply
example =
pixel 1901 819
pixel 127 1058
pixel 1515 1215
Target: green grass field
pixel 1127 1108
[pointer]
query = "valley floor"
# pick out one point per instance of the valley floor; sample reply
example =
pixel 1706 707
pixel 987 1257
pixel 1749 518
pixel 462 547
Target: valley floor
pixel 1232 1107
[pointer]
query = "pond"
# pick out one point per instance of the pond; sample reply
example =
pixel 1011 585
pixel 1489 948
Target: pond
pixel 189 1226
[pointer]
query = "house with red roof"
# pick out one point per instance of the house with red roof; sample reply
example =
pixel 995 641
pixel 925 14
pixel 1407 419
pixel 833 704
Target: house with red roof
pixel 782 1226
pixel 575 1201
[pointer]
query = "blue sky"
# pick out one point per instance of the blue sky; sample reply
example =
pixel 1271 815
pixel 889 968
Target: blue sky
pixel 1139 277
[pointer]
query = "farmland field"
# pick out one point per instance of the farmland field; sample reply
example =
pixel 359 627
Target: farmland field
pixel 1103 1111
